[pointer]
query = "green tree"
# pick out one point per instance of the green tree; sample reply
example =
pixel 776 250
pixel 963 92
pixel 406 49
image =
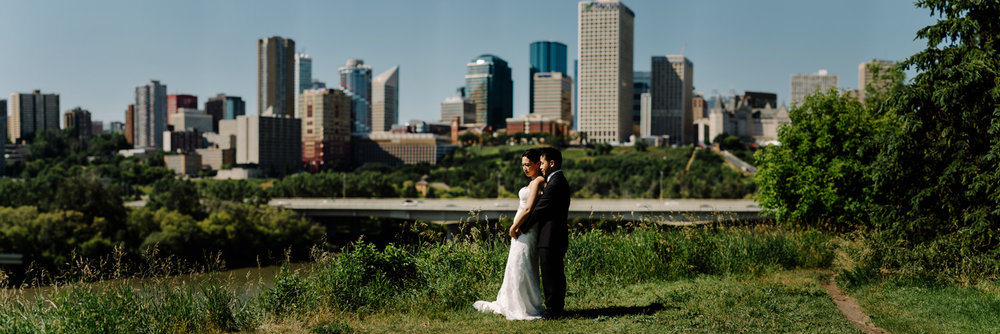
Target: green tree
pixel 819 175
pixel 176 195
pixel 936 179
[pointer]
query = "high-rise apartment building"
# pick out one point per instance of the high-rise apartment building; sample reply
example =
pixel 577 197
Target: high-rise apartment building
pixel 303 77
pixel 356 80
pixel 326 126
pixel 806 84
pixel 604 82
pixel 546 56
pixel 553 96
pixel 866 73
pixel 224 107
pixel 489 85
pixel 177 101
pixel 276 77
pixel 150 120
pixel 32 112
pixel 385 100
pixel 640 84
pixel 79 120
pixel 456 106
pixel 274 144
pixel 672 90
pixel 129 128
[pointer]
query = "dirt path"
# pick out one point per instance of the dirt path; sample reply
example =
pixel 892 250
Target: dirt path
pixel 850 308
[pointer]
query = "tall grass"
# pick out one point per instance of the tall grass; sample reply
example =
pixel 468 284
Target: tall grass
pixel 422 278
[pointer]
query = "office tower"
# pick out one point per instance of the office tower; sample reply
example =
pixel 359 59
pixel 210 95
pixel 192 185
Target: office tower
pixel 275 77
pixel 553 96
pixel 117 127
pixel 129 128
pixel 489 85
pixel 3 135
pixel 866 71
pixel 604 83
pixel 806 84
pixel 150 115
pixel 79 120
pixel 356 80
pixel 3 122
pixel 546 56
pixel 177 101
pixel 699 106
pixel 317 84
pixel 326 127
pixel 672 90
pixel 274 144
pixel 646 114
pixel 303 77
pixel 456 106
pixel 385 100
pixel 576 113
pixel 32 112
pixel 224 107
pixel 640 84
pixel 96 128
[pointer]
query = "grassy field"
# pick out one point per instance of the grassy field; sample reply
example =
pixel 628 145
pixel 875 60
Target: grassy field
pixel 786 301
pixel 709 279
pixel 905 308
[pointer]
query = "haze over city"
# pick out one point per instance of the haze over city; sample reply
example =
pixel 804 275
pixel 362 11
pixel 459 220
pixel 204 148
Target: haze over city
pixel 94 54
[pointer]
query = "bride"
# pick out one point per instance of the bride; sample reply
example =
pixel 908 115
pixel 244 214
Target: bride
pixel 520 297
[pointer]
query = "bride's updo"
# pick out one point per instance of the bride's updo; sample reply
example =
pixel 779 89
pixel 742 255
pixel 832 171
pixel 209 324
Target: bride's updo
pixel 533 154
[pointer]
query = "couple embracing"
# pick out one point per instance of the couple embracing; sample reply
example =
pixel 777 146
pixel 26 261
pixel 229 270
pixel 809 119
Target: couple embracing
pixel 539 239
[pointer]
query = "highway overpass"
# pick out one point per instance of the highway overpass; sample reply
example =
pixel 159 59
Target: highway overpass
pixel 666 211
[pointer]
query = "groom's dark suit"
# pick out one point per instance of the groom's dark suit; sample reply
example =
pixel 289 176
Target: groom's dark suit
pixel 553 238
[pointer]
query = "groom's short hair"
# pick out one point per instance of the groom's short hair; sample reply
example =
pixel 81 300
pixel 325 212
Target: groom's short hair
pixel 552 154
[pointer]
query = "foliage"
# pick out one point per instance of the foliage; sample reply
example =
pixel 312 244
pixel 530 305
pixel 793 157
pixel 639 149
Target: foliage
pixel 176 195
pixel 820 174
pixel 936 179
pixel 234 191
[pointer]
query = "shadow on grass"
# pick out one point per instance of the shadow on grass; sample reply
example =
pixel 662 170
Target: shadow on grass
pixel 618 311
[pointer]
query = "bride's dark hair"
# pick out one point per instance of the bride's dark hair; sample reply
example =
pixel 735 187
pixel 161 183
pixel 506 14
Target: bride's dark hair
pixel 533 154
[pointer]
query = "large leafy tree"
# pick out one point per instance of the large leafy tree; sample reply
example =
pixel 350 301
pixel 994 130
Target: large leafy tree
pixel 937 180
pixel 819 175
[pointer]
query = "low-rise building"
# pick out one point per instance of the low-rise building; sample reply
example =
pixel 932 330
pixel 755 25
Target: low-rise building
pixel 400 148
pixel 183 164
pixel 538 123
pixel 215 158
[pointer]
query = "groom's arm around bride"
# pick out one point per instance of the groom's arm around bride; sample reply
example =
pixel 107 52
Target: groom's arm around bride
pixel 550 214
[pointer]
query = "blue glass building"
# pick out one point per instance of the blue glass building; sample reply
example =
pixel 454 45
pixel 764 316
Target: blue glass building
pixel 489 85
pixel 546 56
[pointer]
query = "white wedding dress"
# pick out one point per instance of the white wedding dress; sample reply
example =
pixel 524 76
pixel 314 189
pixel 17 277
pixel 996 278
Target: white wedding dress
pixel 520 296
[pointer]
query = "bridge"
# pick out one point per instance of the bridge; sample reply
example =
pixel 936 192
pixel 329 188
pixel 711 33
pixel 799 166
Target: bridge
pixel 665 211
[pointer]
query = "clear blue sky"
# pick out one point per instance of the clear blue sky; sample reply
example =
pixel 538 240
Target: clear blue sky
pixel 94 53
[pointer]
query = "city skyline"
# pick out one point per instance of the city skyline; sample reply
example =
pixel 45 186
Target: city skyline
pixel 207 49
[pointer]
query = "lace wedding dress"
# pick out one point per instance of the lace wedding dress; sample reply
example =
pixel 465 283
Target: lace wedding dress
pixel 520 297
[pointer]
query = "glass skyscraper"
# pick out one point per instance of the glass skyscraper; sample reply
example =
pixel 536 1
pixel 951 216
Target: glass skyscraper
pixel 303 78
pixel 546 56
pixel 356 80
pixel 489 85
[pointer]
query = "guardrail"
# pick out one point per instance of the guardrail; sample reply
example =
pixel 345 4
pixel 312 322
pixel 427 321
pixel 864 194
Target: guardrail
pixel 11 258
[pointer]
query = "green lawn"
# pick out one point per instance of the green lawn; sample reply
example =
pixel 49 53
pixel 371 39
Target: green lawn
pixel 907 309
pixel 786 301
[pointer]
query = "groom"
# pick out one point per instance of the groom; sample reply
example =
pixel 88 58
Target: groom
pixel 553 237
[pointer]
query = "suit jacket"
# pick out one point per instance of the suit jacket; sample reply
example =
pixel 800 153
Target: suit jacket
pixel 550 213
